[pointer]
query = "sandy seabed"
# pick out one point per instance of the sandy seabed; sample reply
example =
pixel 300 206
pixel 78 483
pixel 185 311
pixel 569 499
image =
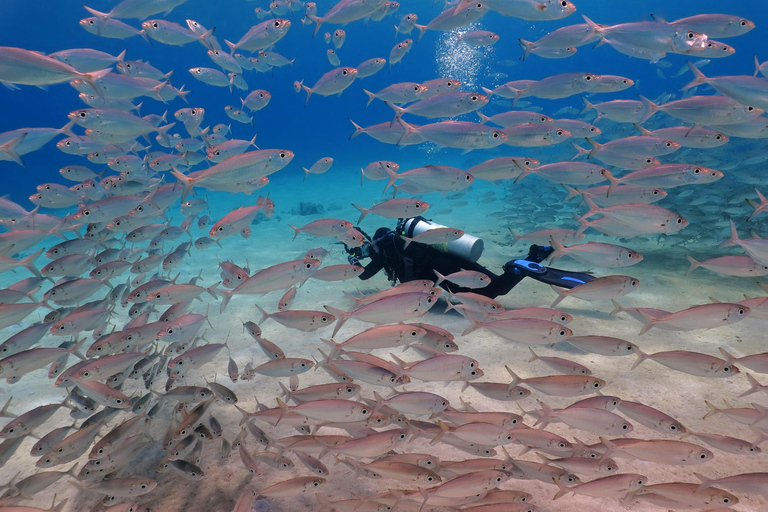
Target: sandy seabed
pixel 663 285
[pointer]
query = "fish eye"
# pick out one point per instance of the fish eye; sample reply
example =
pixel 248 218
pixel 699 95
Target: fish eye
pixel 277 23
pixel 679 220
pixel 564 3
pixel 561 445
pixel 750 109
pixel 563 332
pixel 588 78
pixel 596 385
pixel 669 144
pixel 703 456
pixel 742 311
pixel 691 35
pixel 344 72
pixel 559 132
pixel 154 25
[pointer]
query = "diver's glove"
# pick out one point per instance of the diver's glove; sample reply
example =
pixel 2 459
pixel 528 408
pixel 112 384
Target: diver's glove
pixel 355 254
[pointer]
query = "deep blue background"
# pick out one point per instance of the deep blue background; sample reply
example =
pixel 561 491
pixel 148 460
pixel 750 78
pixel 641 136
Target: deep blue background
pixel 322 127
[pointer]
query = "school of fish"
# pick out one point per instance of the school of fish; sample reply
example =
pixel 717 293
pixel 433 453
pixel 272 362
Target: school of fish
pixel 370 409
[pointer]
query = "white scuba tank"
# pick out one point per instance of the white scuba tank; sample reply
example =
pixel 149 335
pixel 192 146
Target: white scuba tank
pixel 467 247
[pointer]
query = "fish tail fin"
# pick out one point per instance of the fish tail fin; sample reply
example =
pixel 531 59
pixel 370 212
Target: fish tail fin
pixel 546 415
pixel 705 482
pixel 515 378
pixel 595 147
pixel 641 356
pixel 371 97
pixel 643 131
pixel 232 46
pixel 399 111
pixel 613 181
pixel 185 180
pixel 617 308
pixel 527 47
pixel 560 249
pixel 421 29
pixel 734 240
pixel 317 21
pixel 474 325
pixel 29 262
pixel 648 323
pixel 593 209
pixel 363 212
pixel 409 130
pixel 264 314
pixel 358 131
pixel 756 386
pixel 593 27
pixel 440 277
pixel 727 355
pixel 283 409
pixel 760 207
pixel 698 79
pixel 296 231
pixel 101 19
pixel 307 90
pixel 393 177
pixel 534 355
pixel 580 151
pixel 563 490
pixel 341 316
pixel 562 295
pixel 517 237
pixel 9 148
pixel 288 394
pixel 484 118
pixel 572 192
pixel 212 290
pixel 712 410
pixel 487 91
pixel 226 296
pixel 648 104
pixel 694 264
pixel 587 106
pixel 4 411
pixel 76 349
pixel 524 171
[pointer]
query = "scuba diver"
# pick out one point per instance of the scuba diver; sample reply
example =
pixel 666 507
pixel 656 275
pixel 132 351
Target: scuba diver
pixel 408 262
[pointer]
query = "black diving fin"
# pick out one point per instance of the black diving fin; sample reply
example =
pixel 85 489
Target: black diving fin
pixel 549 275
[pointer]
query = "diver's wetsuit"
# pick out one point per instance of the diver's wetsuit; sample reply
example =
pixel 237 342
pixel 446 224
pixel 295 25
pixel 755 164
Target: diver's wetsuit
pixel 419 261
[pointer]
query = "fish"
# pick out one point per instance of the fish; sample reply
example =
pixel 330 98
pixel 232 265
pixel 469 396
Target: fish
pixel 332 82
pixel 704 316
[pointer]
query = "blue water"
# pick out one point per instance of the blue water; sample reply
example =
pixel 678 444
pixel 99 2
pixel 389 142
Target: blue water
pixel 322 128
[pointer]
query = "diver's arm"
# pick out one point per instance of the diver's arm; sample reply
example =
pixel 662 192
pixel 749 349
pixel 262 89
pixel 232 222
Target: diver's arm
pixel 371 269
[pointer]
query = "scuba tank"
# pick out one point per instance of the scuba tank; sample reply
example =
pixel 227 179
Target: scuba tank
pixel 467 247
